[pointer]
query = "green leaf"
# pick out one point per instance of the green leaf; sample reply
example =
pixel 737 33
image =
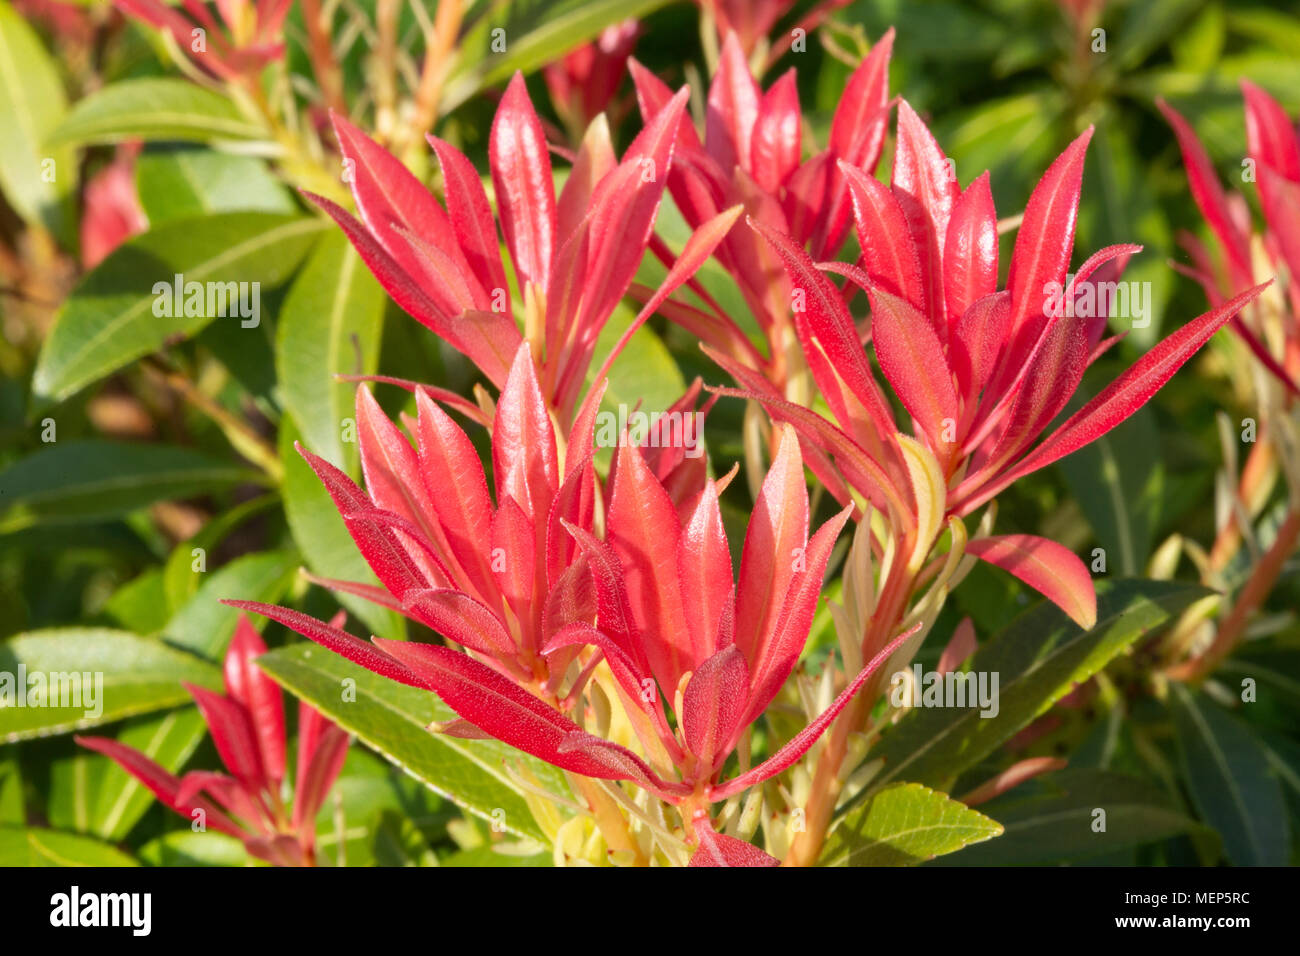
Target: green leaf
pixel 187 183
pixel 154 109
pixel 330 324
pixel 180 579
pixel 76 481
pixel 509 855
pixel 169 740
pixel 109 321
pixel 392 719
pixel 33 846
pixel 139 675
pixel 1117 481
pixel 321 536
pixel 204 625
pixel 35 179
pixel 1054 819
pixel 1039 658
pixel 140 605
pixel 399 842
pixel 187 848
pixel 534 34
pixel 904 824
pixel 12 810
pixel 1232 783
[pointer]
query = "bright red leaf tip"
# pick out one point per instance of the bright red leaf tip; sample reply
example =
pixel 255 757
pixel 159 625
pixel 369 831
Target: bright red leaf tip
pixel 718 849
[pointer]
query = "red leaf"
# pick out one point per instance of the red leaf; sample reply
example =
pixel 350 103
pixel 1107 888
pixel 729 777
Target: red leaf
pixel 259 695
pixel 1051 569
pixel 521 173
pixel 733 109
pixel 232 733
pixel 824 325
pixel 776 147
pixel 1270 134
pixel 1116 402
pixel 912 358
pixel 704 573
pixel 159 782
pixel 642 529
pixel 390 198
pixel 514 549
pixel 718 849
pixel 926 190
pixel 772 668
pixel 471 219
pixel 1208 193
pixel 857 137
pixel 977 340
pixel 460 618
pixel 1045 239
pixel 334 639
pixel 456 487
pixel 625 206
pixel 888 252
pixel 970 249
pixel 511 714
pixel 713 704
pixel 316 778
pixel 523 441
pixel 774 547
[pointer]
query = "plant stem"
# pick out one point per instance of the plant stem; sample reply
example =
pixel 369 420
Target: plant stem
pixel 1256 589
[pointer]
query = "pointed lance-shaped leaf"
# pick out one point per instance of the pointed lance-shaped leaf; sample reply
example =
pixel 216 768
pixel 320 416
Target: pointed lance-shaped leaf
pixel 521 173
pixel 1051 569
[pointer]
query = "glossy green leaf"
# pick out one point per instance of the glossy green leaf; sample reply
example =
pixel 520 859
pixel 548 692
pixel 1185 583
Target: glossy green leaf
pixel 204 625
pixel 1117 480
pixel 109 319
pixel 154 109
pixel 139 675
pixel 35 178
pixel 34 846
pixel 187 848
pixel 905 824
pixel 330 324
pixel 1055 818
pixel 527 35
pixel 184 183
pixel 1232 783
pixel 392 719
pixel 1039 658
pixel 84 480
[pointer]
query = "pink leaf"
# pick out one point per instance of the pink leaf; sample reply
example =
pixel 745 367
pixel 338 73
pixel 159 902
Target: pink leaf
pixel 713 705
pixel 718 849
pixel 733 109
pixel 926 190
pixel 524 458
pixel 912 358
pixel 259 695
pixel 775 150
pixel 1051 569
pixel 970 249
pixel 521 173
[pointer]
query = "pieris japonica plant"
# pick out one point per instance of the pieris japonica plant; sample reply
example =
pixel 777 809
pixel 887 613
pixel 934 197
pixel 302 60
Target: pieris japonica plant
pixel 250 801
pixel 599 623
pixel 1270 329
